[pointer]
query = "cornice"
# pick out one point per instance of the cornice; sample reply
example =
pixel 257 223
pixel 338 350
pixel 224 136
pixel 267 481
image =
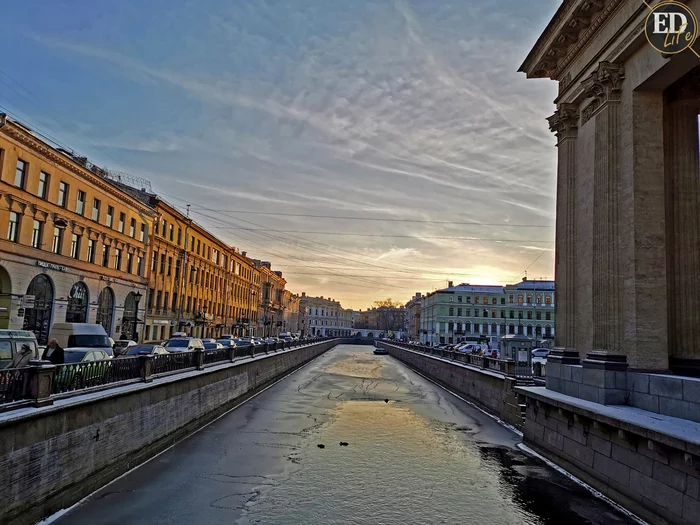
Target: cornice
pixel 571 29
pixel 41 148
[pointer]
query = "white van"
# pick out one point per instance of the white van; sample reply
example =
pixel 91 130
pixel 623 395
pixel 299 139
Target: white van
pixel 81 336
pixel 11 342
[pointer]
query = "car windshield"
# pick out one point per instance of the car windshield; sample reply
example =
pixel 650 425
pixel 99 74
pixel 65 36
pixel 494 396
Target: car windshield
pixel 210 346
pixel 136 350
pixel 73 357
pixel 177 343
pixel 88 341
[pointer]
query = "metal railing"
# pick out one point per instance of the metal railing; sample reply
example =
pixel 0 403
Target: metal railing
pixel 78 376
pixel 164 363
pixel 14 384
pixel 37 383
pixel 506 367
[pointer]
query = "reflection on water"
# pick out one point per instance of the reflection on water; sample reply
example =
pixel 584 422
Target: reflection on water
pixel 404 466
pixel 397 468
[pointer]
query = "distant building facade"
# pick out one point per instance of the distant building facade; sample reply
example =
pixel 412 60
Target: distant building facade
pixel 487 312
pixel 413 308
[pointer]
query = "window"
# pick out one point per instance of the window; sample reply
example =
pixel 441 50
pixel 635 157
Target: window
pixel 459 298
pixel 452 311
pixel 129 262
pixel 510 298
pixel 512 314
pixel 117 259
pixel 63 194
pixel 486 300
pixel 166 300
pixel 520 299
pixel 132 228
pixel 162 263
pixel 37 232
pixel 91 251
pixel 452 298
pixel 43 190
pixel 170 266
pixel 548 316
pixel 476 300
pixel 486 313
pixel 192 243
pixel 179 236
pixel 547 299
pixel 529 299
pixel 139 265
pixel 459 312
pixel 177 269
pixel 75 246
pixel 80 203
pixel 13 228
pixel 21 174
pixel 538 299
pixel 165 227
pixel 493 313
pixel 105 255
pixel 494 301
pixel 57 240
pixel 172 232
pixel 110 216
pixel 520 315
pixel 122 219
pixel 198 246
pixel 503 300
pixel 96 210
pixel 538 316
pixel 142 235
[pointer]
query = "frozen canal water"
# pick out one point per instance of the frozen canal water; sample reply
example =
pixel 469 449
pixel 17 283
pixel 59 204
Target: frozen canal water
pixel 415 454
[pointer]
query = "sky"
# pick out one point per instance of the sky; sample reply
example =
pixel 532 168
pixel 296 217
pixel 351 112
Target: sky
pixel 367 148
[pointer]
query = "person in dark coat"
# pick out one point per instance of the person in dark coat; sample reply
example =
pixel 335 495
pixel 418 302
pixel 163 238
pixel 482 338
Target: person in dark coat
pixel 21 358
pixel 53 353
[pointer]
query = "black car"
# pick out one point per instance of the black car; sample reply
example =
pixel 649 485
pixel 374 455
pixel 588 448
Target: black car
pixel 380 351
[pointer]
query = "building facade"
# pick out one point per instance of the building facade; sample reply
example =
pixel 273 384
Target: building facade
pixel 412 322
pixel 325 317
pixel 270 311
pixel 74 245
pixel 485 313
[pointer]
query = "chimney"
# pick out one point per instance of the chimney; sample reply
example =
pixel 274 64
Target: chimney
pixel 303 294
pixel 244 253
pixel 450 284
pixel 524 279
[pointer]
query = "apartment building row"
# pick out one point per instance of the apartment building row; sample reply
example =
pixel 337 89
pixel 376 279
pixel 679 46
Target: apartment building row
pixel 482 312
pixel 320 316
pixel 81 244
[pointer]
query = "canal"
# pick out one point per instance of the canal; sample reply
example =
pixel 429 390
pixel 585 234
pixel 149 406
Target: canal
pixel 411 453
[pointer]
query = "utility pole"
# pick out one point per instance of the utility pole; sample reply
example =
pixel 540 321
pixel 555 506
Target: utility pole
pixel 183 269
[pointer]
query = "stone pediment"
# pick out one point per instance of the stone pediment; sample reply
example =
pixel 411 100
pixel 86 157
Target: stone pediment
pixel 571 28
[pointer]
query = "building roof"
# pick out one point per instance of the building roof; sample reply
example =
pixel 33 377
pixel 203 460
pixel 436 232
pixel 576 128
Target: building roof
pixel 472 288
pixel 535 285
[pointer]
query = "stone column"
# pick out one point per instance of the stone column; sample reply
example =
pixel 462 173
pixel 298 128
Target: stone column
pixel 683 223
pixel 564 123
pixel 604 87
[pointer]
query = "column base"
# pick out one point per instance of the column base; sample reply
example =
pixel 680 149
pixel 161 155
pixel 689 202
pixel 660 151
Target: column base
pixel 564 356
pixel 603 360
pixel 685 367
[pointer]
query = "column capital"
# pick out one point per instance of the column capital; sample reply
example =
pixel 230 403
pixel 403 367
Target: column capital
pixel 564 122
pixel 604 85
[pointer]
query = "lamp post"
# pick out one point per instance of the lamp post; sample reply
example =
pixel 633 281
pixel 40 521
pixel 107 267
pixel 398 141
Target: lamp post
pixel 137 299
pixel 204 322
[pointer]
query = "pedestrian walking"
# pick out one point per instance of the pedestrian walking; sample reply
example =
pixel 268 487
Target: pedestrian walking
pixel 21 358
pixel 53 353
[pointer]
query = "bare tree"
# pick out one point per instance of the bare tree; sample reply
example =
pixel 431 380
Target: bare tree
pixel 390 315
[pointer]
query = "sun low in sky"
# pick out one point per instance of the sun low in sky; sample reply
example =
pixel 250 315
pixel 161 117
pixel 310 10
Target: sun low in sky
pixel 368 149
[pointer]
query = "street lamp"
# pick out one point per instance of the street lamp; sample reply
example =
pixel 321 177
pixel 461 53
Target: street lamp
pixel 204 320
pixel 137 299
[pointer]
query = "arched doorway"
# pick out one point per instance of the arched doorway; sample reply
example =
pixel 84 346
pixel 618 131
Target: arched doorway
pixel 5 298
pixel 105 309
pixel 78 300
pixel 129 320
pixel 38 318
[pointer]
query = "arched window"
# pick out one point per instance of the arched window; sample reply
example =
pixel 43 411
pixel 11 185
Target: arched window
pixel 547 299
pixel 511 328
pixel 520 299
pixel 105 309
pixel 38 318
pixel 78 300
pixel 529 299
pixel 538 299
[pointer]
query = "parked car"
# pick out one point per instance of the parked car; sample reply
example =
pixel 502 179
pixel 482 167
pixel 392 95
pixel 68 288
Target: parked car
pixel 227 342
pixel 208 340
pixel 179 334
pixel 82 336
pixel 121 346
pixel 540 352
pixel 213 346
pixel 147 349
pixel 80 355
pixel 11 342
pixel 380 351
pixel 183 344
pixel 243 342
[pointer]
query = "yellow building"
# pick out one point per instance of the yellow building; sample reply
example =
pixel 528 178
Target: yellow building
pixel 197 283
pixel 73 244
pixel 270 312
